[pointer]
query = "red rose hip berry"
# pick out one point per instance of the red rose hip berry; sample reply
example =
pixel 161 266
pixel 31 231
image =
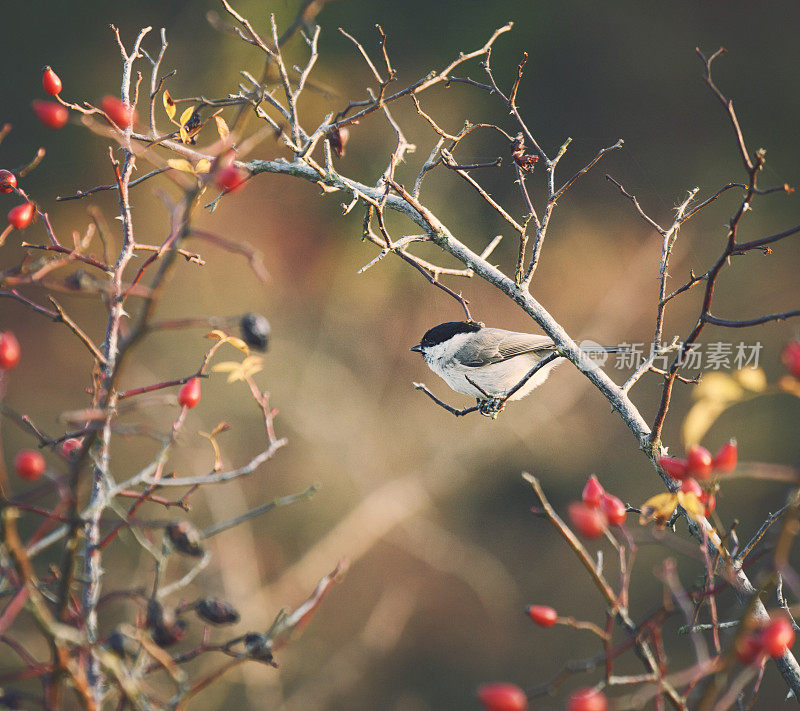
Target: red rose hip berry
pixel 710 502
pixel 51 81
pixel 592 492
pixel 726 459
pixel 29 465
pixel 189 394
pixel 8 181
pixel 118 111
pixel 51 114
pixel 777 637
pixel 588 522
pixel 616 512
pixel 674 467
pixel 791 358
pixel 501 696
pixel 587 700
pixel 690 486
pixel 9 351
pixel 698 462
pixel 542 615
pixel 20 216
pixel 230 178
pixel 70 447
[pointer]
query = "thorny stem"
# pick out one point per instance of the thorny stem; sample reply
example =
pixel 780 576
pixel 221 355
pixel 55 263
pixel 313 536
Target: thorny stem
pixel 92 570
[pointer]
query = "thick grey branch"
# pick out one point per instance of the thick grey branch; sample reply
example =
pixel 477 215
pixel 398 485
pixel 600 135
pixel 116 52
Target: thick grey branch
pixel 444 239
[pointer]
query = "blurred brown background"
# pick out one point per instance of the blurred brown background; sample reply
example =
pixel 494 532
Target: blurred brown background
pixel 431 510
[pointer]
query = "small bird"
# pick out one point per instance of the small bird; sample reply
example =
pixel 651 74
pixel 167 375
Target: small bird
pixel 487 363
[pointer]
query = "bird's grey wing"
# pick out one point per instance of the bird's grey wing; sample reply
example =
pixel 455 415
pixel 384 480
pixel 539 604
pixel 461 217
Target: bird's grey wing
pixel 494 345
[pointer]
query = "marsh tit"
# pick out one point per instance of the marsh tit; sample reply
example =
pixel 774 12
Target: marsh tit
pixel 487 363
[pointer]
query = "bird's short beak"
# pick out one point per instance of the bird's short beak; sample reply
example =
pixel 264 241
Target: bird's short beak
pixel 417 348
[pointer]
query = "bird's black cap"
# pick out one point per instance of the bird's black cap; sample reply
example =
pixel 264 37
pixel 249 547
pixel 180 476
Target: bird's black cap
pixel 444 332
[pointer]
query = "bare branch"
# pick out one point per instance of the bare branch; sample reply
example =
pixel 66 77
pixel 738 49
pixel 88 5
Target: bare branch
pixel 708 318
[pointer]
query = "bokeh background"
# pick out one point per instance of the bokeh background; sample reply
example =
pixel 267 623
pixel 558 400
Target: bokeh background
pixel 431 510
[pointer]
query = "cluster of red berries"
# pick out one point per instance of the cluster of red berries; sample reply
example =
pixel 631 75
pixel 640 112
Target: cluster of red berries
pixel 20 216
pixel 791 358
pixel 705 497
pixel 772 640
pixel 700 464
pixel 30 465
pixel 502 696
pixel 55 115
pixel 52 114
pixel 597 510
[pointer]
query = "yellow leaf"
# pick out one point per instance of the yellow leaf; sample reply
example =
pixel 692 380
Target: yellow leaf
pixel 184 135
pixel 752 378
pixel 658 508
pixel 717 386
pixel 225 338
pixel 692 504
pixel 240 371
pixel 203 166
pixel 249 366
pixel 222 127
pixel 699 419
pixel 715 394
pixel 238 343
pixel 252 365
pixel 181 164
pixel 169 105
pixel 186 115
